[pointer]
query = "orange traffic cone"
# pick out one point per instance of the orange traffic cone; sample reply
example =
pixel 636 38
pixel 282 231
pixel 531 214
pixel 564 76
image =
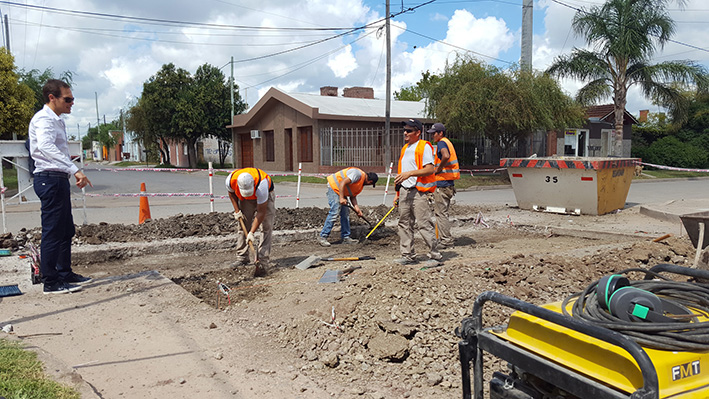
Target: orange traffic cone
pixel 144 213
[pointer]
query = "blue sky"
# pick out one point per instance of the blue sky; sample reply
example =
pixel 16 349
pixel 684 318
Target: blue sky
pixel 113 47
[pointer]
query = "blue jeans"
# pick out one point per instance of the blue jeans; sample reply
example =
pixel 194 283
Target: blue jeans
pixel 57 225
pixel 334 201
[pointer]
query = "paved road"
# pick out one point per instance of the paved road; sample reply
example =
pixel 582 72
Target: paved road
pixel 110 209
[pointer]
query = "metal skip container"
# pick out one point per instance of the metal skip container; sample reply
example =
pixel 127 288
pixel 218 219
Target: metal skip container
pixel 575 185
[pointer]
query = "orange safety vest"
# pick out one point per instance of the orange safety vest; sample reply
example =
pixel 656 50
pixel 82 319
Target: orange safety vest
pixel 425 184
pixel 258 176
pixel 353 189
pixel 451 170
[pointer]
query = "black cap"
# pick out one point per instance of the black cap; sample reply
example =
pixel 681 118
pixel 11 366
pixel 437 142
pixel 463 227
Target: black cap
pixel 413 123
pixel 373 178
pixel 437 127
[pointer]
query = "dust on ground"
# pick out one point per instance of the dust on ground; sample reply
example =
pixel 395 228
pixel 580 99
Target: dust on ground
pixel 383 330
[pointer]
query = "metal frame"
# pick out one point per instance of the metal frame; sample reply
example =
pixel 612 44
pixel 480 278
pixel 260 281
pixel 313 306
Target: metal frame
pixel 476 340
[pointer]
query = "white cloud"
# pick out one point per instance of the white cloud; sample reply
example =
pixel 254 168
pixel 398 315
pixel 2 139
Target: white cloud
pixel 343 63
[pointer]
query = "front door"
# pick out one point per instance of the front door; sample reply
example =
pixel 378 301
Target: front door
pixel 247 151
pixel 288 137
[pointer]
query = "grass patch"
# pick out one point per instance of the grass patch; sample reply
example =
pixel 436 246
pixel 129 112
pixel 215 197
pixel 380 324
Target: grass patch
pixel 9 177
pixel 481 180
pixel 303 179
pixel 670 174
pixel 129 163
pixel 22 376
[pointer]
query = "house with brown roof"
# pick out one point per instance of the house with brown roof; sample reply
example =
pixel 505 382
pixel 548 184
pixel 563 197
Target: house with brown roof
pixel 595 138
pixel 322 133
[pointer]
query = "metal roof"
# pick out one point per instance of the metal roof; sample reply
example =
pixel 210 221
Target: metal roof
pixel 360 107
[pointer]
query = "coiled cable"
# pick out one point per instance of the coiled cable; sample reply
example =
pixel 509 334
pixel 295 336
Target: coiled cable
pixel 682 336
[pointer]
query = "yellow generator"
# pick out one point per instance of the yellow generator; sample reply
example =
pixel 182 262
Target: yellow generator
pixel 645 339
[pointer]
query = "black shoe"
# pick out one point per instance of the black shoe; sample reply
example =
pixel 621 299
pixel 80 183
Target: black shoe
pixel 77 279
pixel 60 288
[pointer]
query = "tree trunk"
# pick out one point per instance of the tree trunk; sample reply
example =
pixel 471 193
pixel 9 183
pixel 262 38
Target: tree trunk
pixel 192 153
pixel 165 152
pixel 619 108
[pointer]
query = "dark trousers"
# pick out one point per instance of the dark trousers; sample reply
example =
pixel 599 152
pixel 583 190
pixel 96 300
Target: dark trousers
pixel 53 190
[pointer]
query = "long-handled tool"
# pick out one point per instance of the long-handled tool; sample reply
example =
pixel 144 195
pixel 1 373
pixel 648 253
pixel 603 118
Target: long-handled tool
pixel 355 211
pixel 257 270
pixel 312 259
pixel 380 222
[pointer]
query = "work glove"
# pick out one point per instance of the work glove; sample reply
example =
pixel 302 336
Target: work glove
pixel 396 202
pixel 250 239
pixel 238 215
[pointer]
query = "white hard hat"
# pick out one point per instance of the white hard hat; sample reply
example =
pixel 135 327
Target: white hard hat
pixel 246 184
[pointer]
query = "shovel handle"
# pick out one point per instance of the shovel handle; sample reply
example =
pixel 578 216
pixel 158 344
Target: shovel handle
pixel 380 222
pixel 246 233
pixel 352 258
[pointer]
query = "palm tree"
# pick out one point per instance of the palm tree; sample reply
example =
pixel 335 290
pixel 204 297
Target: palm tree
pixel 624 35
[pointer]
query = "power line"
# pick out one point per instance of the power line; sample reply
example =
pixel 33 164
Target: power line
pixel 100 32
pixel 159 21
pixel 455 46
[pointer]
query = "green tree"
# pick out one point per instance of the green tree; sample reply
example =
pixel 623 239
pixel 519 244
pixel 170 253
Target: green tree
pixel 16 101
pixel 205 109
pixel 36 80
pixel 625 34
pixel 505 106
pixel 164 94
pixel 421 90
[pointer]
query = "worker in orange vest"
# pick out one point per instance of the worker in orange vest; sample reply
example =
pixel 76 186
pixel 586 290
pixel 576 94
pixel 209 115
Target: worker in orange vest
pixel 251 193
pixel 447 172
pixel 418 183
pixel 347 183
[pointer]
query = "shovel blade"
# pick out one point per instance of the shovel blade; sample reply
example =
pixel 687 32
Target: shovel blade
pixel 307 262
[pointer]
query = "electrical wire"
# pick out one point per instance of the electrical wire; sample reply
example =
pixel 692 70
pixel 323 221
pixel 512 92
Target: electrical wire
pixel 674 336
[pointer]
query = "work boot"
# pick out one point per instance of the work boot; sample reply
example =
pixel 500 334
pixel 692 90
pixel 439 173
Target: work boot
pixel 349 240
pixel 431 263
pixel 435 256
pixel 240 262
pixel 323 241
pixel 405 261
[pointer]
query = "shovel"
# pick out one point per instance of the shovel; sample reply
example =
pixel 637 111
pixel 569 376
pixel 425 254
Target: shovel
pixel 312 259
pixel 380 222
pixel 257 270
pixel 362 217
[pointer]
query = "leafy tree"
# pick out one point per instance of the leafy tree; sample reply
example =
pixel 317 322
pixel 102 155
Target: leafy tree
pixel 421 90
pixel 205 110
pixel 36 80
pixel 505 106
pixel 625 35
pixel 16 101
pixel 177 105
pixel 102 134
pixel 163 95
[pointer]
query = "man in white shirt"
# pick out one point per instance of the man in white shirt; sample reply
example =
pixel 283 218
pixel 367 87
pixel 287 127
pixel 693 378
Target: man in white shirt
pixel 418 183
pixel 53 167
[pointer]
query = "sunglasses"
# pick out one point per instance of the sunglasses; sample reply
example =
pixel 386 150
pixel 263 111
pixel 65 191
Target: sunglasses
pixel 68 100
pixel 409 130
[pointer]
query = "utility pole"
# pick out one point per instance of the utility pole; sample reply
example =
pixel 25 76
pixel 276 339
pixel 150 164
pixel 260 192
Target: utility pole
pixel 98 119
pixel 525 59
pixel 231 82
pixel 7 35
pixel 387 112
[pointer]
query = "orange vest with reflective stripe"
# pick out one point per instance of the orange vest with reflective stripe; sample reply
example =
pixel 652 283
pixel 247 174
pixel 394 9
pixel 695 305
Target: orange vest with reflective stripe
pixel 258 176
pixel 426 184
pixel 353 189
pixel 451 170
